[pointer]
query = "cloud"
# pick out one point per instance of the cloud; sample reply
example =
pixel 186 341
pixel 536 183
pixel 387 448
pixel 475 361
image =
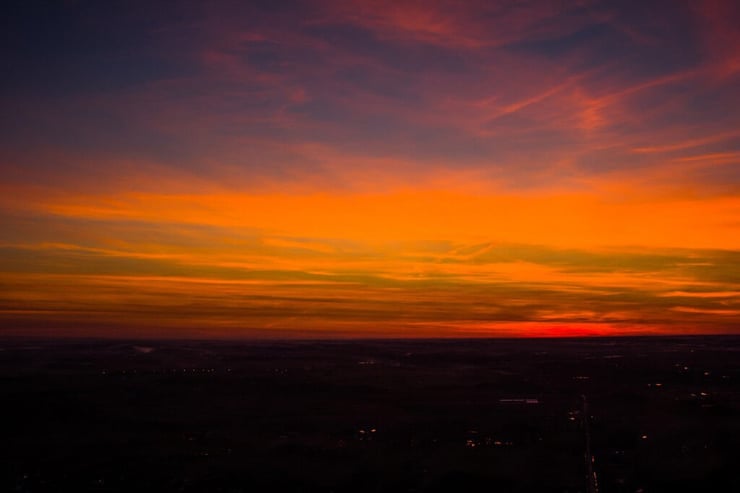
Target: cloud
pixel 242 288
pixel 374 167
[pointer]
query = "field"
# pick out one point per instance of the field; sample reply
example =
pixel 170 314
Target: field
pixel 658 414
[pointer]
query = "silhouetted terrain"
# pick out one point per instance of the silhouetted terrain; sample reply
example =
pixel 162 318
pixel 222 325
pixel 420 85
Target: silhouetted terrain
pixel 371 416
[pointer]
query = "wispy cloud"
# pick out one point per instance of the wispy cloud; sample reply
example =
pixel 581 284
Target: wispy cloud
pixel 394 167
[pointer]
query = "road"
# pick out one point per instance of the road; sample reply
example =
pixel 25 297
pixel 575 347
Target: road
pixel 593 484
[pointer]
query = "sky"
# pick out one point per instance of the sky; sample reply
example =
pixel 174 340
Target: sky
pixel 345 168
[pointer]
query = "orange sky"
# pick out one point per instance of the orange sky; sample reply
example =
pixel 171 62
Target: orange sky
pixel 357 169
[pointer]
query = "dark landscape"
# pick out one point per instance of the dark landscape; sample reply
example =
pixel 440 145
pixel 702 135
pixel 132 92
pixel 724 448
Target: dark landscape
pixel 657 413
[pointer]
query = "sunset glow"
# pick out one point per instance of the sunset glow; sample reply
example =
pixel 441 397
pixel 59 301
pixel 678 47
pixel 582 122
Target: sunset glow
pixel 371 169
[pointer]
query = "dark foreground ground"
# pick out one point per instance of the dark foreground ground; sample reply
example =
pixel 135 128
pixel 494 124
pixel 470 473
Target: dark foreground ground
pixel 663 414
